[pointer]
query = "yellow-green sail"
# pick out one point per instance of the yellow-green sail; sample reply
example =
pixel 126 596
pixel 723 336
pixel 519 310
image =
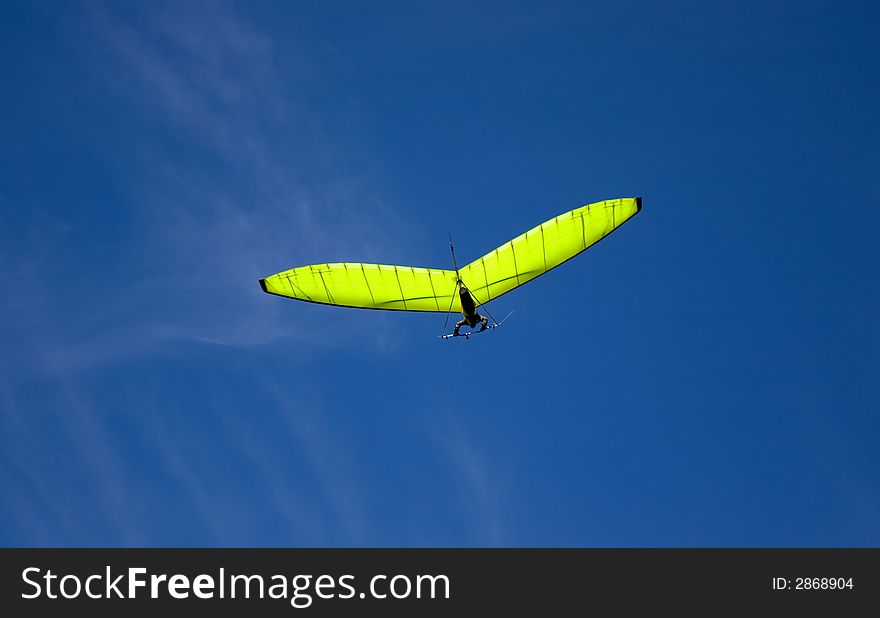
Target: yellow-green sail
pixel 368 286
pixel 407 288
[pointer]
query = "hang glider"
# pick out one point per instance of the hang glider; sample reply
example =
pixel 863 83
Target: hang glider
pixel 408 288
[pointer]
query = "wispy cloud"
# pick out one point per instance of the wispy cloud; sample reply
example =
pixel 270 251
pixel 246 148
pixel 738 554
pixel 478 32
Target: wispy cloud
pixel 239 182
pixel 480 484
pixel 213 76
pixel 39 504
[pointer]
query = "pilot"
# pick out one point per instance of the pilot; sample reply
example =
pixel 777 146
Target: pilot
pixel 469 311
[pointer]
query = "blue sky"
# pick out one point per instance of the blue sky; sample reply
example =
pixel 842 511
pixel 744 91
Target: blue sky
pixel 707 376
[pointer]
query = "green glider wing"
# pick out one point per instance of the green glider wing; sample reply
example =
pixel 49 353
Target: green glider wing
pixel 367 286
pixel 407 288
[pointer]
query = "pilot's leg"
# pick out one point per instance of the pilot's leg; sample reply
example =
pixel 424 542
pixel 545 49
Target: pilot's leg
pixel 458 325
pixel 485 322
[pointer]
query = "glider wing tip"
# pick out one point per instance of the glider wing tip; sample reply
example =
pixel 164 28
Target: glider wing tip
pixel 638 204
pixel 263 285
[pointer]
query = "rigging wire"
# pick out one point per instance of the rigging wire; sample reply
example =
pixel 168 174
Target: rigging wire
pixel 451 301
